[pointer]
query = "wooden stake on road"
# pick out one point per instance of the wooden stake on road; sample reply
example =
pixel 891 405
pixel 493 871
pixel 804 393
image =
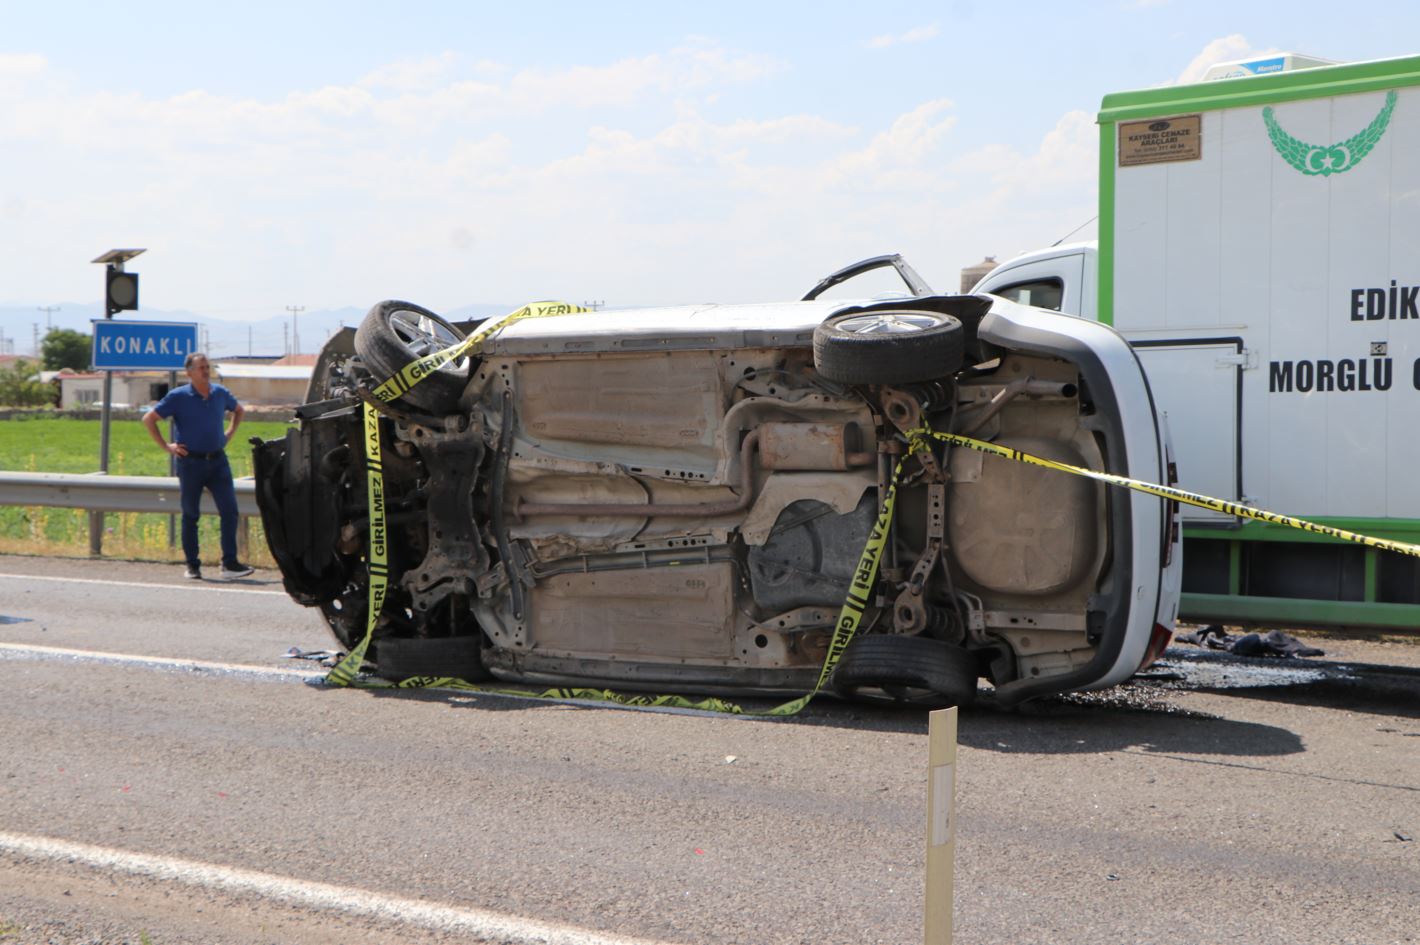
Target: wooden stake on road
pixel 941 825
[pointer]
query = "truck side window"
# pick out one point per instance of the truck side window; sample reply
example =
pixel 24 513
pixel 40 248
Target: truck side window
pixel 1042 293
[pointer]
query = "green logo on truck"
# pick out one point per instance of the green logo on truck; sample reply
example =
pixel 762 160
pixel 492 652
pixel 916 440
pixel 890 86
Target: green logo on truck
pixel 1325 160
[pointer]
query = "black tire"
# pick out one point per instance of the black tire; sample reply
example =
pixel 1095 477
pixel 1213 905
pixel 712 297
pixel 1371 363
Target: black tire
pixel 910 670
pixel 459 657
pixel 395 334
pixel 888 347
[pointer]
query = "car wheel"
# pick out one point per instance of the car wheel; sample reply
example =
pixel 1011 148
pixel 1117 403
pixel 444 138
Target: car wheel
pixel 910 670
pixel 395 334
pixel 460 657
pixel 888 347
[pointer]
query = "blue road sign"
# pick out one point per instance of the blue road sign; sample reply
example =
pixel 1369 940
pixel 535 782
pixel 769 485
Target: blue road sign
pixel 142 346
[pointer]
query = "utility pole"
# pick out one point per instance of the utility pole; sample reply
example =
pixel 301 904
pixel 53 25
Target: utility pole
pixel 295 335
pixel 286 337
pixel 49 311
pixel 120 295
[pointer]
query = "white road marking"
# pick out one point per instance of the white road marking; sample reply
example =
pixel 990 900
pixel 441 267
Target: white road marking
pixel 487 926
pixel 100 656
pixel 162 662
pixel 190 586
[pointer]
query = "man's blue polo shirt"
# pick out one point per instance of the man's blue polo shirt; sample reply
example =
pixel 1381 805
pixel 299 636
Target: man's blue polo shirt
pixel 199 423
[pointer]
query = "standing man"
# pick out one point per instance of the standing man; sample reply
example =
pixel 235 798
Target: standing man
pixel 198 410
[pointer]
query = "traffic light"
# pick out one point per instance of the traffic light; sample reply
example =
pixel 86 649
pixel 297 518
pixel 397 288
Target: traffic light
pixel 122 290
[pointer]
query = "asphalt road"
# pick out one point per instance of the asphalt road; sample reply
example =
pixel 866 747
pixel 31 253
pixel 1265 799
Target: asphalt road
pixel 168 776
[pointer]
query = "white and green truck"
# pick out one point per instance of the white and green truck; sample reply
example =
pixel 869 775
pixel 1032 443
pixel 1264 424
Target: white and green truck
pixel 1259 244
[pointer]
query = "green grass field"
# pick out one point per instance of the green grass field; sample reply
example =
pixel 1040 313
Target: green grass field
pixel 49 444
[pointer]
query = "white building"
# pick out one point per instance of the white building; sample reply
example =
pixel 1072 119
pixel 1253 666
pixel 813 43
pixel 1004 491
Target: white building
pixel 79 391
pixel 265 384
pixel 279 384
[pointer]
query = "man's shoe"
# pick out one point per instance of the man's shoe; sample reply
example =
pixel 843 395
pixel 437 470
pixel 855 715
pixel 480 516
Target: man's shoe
pixel 236 570
pixel 193 572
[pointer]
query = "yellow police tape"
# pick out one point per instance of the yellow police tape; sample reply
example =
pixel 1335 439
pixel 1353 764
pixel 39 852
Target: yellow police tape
pixel 416 371
pixel 346 672
pixel 1169 492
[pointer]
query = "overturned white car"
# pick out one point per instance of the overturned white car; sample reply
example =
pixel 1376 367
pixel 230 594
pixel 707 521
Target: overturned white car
pixel 675 499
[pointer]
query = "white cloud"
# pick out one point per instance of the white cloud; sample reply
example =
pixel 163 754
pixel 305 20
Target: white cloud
pixel 412 75
pixel 1068 157
pixel 903 147
pixel 454 183
pixel 18 65
pixel 1021 201
pixel 915 35
pixel 341 101
pixel 412 165
pixel 1224 49
pixel 683 69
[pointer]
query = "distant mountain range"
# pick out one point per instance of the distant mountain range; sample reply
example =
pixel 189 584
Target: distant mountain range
pixel 222 337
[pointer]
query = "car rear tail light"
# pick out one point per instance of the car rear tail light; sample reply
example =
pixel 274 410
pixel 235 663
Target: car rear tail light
pixel 1158 642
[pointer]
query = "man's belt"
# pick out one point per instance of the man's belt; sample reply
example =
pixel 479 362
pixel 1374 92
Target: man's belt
pixel 193 454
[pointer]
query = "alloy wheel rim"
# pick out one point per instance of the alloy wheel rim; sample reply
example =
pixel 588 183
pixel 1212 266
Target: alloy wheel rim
pixel 889 323
pixel 422 335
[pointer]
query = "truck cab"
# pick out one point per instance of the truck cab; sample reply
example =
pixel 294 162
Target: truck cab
pixel 1061 278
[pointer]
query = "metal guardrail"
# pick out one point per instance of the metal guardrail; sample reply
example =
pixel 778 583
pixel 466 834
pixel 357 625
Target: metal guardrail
pixel 100 493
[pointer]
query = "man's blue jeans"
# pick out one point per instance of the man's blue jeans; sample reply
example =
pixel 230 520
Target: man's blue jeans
pixel 214 475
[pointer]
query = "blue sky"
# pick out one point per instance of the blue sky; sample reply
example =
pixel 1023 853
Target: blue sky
pixel 332 154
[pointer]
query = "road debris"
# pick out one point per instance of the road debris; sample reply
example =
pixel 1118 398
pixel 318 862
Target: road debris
pixel 324 657
pixel 1275 643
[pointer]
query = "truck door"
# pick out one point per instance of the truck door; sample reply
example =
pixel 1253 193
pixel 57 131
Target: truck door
pixel 1054 282
pixel 1198 384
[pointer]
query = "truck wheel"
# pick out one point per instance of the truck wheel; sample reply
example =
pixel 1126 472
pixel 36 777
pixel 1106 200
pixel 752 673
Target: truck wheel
pixel 910 670
pixel 889 347
pixel 395 334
